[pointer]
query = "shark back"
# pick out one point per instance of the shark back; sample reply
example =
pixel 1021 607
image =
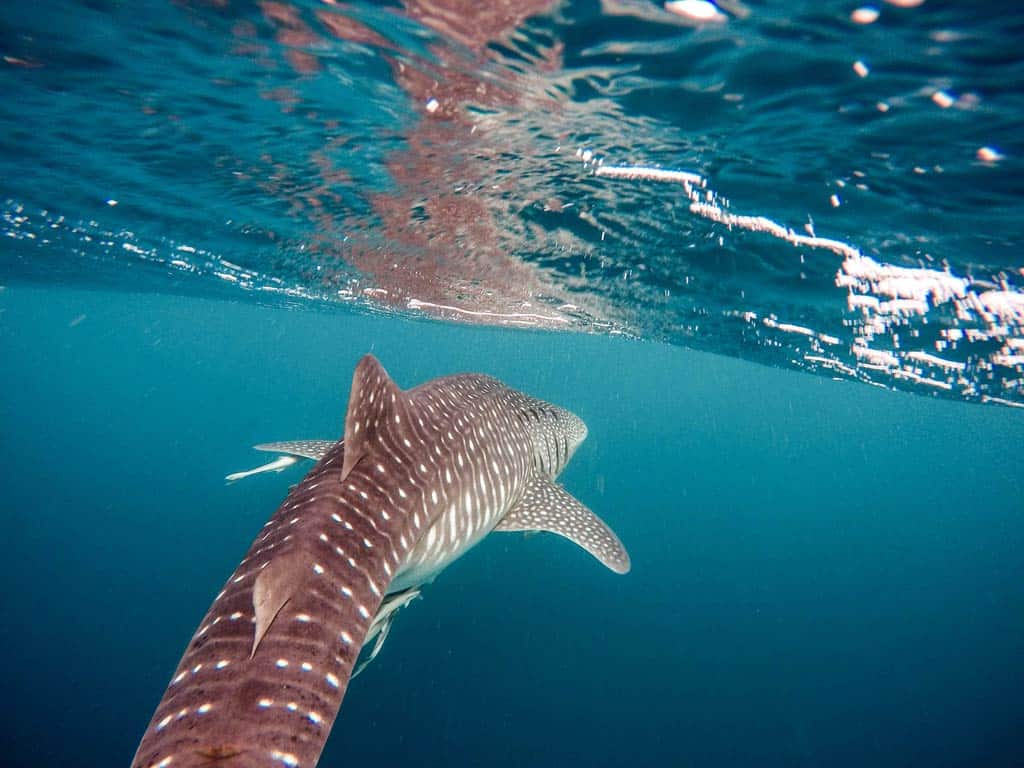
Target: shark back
pixel 263 677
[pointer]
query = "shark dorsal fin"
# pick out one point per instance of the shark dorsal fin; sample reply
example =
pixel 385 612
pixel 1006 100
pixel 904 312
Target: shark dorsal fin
pixel 375 399
pixel 275 585
pixel 546 506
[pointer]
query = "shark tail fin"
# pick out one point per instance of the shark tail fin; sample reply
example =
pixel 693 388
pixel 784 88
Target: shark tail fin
pixel 375 401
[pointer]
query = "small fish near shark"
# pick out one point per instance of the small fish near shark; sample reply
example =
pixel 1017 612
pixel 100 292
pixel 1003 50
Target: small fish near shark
pixel 419 477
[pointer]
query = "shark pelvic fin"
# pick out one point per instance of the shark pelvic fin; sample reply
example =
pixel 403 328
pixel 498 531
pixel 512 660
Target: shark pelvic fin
pixel 546 506
pixel 375 402
pixel 275 585
pixel 304 449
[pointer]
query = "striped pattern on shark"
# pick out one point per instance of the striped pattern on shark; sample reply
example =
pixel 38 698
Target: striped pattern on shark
pixel 419 477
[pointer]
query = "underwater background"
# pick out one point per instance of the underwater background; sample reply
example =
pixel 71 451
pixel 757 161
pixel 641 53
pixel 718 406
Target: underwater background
pixel 769 252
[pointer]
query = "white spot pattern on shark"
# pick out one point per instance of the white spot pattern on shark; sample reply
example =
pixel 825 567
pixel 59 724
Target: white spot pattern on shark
pixel 419 477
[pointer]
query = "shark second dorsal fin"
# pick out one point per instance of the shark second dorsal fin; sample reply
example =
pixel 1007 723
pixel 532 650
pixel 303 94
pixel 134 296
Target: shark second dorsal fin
pixel 274 586
pixel 375 400
pixel 546 506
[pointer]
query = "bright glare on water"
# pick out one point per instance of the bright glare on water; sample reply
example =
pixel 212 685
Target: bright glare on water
pixel 816 185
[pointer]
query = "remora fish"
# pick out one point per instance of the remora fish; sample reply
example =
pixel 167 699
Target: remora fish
pixel 419 477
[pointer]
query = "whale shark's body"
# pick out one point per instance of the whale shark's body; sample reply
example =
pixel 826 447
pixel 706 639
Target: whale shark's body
pixel 419 477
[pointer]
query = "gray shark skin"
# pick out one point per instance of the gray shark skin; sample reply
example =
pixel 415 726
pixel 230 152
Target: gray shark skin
pixel 419 477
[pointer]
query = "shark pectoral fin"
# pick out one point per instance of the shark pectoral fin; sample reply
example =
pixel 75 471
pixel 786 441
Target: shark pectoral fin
pixel 304 449
pixel 274 586
pixel 546 506
pixel 375 404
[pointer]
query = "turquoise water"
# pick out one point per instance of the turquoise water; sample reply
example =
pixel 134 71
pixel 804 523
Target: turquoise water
pixel 452 159
pixel 824 573
pixel 211 211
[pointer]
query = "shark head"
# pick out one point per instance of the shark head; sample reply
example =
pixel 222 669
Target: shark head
pixel 555 434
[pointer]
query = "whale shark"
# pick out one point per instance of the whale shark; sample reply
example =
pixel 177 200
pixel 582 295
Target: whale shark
pixel 418 478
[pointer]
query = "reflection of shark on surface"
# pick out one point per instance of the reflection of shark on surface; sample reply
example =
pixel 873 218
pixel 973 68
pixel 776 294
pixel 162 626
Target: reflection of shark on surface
pixel 420 477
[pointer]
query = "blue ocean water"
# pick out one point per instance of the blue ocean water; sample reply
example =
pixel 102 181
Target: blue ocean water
pixel 824 573
pixel 723 243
